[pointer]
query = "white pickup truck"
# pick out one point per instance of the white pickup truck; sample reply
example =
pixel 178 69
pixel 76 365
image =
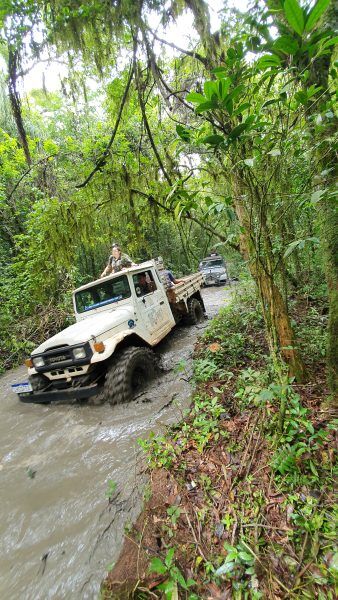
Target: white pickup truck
pixel 108 353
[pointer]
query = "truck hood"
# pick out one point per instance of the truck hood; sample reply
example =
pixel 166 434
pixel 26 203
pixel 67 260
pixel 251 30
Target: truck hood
pixel 84 330
pixel 213 270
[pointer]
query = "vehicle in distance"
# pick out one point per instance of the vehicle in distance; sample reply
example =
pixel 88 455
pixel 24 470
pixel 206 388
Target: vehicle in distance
pixel 108 353
pixel 213 269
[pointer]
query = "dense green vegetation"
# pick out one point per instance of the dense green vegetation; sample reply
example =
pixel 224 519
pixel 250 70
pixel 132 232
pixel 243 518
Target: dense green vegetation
pixel 249 506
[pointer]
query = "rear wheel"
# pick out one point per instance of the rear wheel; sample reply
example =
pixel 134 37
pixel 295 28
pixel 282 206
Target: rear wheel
pixel 195 312
pixel 128 374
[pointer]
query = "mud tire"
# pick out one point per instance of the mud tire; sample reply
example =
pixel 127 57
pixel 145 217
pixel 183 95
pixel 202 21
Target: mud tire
pixel 132 368
pixel 195 312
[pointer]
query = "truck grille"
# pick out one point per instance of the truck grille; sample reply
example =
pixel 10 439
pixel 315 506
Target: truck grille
pixel 60 357
pixel 57 358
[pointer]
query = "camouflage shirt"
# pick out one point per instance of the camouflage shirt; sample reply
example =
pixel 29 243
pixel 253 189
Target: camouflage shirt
pixel 117 264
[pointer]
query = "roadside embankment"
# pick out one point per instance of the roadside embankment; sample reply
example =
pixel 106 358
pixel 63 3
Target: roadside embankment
pixel 240 500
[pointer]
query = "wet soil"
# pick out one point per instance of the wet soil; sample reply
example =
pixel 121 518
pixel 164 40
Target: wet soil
pixel 58 530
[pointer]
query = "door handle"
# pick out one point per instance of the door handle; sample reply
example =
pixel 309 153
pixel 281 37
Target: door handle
pixel 143 300
pixel 162 302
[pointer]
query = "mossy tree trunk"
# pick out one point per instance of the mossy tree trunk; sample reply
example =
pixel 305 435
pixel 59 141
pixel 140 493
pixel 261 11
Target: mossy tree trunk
pixel 281 338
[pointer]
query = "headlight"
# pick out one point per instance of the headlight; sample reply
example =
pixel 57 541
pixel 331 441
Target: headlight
pixel 79 353
pixel 38 361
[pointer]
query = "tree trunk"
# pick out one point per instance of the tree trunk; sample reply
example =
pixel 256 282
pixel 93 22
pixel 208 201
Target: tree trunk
pixel 319 69
pixel 280 335
pixel 15 101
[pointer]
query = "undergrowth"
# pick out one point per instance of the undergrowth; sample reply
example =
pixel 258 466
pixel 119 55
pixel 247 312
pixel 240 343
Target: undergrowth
pixel 250 471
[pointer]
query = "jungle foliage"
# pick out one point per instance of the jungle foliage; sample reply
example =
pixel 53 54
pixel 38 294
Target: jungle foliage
pixel 249 477
pixel 229 142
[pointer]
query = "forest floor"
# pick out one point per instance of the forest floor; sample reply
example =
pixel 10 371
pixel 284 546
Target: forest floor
pixel 240 501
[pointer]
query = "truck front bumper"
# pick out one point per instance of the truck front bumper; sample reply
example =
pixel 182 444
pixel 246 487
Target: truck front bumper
pixel 74 393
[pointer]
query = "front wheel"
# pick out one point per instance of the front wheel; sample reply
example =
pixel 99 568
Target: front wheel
pixel 195 312
pixel 132 368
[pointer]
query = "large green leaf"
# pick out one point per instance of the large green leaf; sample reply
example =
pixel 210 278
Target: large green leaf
pixel 294 15
pixel 183 133
pixel 268 102
pixel 242 108
pixel 219 72
pixel 157 566
pixel 206 106
pixel 268 60
pixel 237 91
pixel 250 119
pixel 236 132
pixel 299 244
pixel 315 14
pixel 228 104
pixel 210 88
pixel 223 86
pixel 286 44
pixel 331 42
pixel 195 97
pixel 213 140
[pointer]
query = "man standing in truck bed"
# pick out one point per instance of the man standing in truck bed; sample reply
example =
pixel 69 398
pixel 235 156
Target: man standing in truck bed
pixel 117 261
pixel 166 276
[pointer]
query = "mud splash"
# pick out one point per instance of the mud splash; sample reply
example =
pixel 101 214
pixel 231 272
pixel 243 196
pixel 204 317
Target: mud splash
pixel 57 529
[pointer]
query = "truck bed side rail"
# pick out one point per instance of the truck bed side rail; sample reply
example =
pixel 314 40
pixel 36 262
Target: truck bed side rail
pixel 186 289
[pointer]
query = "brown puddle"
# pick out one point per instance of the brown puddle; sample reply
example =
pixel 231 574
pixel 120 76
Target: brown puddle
pixel 58 531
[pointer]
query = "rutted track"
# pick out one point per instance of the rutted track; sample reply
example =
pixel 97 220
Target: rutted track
pixel 58 532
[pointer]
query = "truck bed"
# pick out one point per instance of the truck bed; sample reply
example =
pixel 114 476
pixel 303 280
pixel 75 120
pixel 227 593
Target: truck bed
pixel 186 289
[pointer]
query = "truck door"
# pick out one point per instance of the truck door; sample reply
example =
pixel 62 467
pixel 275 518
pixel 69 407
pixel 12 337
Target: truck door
pixel 152 306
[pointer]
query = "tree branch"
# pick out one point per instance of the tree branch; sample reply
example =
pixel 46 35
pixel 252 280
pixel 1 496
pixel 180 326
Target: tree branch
pixel 189 216
pixel 28 171
pixel 191 53
pixel 102 161
pixel 146 124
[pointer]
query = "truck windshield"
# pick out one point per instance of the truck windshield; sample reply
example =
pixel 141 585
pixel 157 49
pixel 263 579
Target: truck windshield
pixel 211 263
pixel 103 293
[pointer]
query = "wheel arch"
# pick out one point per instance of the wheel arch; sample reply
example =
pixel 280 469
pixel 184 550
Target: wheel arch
pixel 198 297
pixel 124 340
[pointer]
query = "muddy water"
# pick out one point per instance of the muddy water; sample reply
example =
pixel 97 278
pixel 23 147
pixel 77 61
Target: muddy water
pixel 58 532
